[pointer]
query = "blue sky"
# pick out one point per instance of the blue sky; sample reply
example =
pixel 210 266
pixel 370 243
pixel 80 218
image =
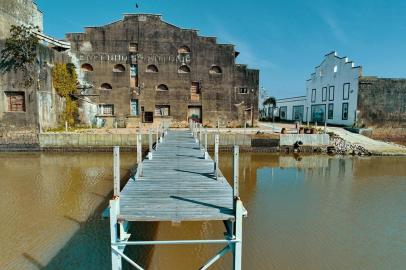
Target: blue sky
pixel 284 39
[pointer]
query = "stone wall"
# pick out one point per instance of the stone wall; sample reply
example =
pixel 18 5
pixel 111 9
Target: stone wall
pixel 382 102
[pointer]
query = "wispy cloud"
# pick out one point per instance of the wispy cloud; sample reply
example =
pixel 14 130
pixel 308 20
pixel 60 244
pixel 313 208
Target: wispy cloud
pixel 334 26
pixel 248 55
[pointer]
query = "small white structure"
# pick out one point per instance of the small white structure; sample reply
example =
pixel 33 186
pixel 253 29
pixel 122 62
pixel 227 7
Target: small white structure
pixel 331 95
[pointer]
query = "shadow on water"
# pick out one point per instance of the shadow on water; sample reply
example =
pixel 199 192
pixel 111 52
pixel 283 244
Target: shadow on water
pixel 89 247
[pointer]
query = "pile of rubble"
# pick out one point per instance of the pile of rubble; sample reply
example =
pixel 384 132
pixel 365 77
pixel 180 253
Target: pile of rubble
pixel 342 147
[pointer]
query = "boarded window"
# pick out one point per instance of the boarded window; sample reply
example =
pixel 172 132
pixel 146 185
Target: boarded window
pixel 133 47
pixel 87 67
pixel 215 70
pixel 162 87
pixel 119 68
pixel 184 49
pixel 16 101
pixel 152 69
pixel 162 110
pixel 106 109
pixel 106 86
pixel 184 69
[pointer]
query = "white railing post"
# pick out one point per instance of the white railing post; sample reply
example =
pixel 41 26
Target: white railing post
pixel 216 154
pixel 139 154
pixel 150 144
pixel 200 136
pixel 236 158
pixel 116 171
pixel 116 263
pixel 206 154
pixel 237 263
pixel 157 137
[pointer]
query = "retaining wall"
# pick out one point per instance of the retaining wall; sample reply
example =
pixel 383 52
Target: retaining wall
pixel 306 139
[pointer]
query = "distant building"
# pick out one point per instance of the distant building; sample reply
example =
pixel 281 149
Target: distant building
pixel 338 94
pixel 143 70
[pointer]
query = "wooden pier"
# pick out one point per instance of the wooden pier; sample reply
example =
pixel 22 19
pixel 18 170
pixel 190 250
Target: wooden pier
pixel 178 181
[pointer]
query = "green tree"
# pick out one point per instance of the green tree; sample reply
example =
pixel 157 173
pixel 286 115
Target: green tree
pixel 64 80
pixel 20 52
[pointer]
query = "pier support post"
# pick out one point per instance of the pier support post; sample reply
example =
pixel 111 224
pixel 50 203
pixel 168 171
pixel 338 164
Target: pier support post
pixel 116 263
pixel 116 171
pixel 200 136
pixel 157 137
pixel 139 153
pixel 236 172
pixel 237 252
pixel 206 154
pixel 150 144
pixel 216 154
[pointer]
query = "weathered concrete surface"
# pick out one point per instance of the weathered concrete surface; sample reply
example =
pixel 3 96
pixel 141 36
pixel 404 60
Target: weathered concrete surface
pixel 374 146
pixel 306 139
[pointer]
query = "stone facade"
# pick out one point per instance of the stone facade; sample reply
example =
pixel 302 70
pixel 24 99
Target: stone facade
pixel 39 105
pixel 382 102
pixel 142 69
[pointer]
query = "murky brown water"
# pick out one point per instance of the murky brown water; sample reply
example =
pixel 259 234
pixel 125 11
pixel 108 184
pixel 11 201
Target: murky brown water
pixel 313 213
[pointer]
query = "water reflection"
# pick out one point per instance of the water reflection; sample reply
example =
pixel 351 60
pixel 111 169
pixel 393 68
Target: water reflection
pixel 305 212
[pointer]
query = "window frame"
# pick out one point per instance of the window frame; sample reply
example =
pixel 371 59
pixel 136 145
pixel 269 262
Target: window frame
pixel 311 112
pixel 329 93
pixel 314 94
pixel 342 110
pixel 301 107
pixel 332 111
pixel 324 94
pixel 9 95
pixel 101 109
pixel 348 93
pixel 160 107
pixel 286 112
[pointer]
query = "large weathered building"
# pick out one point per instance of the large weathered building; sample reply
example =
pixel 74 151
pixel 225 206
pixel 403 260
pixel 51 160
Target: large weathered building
pixel 141 69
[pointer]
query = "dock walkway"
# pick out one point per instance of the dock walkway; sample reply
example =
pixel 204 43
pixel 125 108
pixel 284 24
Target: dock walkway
pixel 177 184
pixel 178 181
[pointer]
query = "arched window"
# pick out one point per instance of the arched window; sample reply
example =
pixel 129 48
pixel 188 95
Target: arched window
pixel 162 87
pixel 184 69
pixel 152 69
pixel 87 67
pixel 184 49
pixel 119 68
pixel 106 86
pixel 215 70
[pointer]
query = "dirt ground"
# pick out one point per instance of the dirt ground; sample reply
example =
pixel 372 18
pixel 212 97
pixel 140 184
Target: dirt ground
pixel 395 135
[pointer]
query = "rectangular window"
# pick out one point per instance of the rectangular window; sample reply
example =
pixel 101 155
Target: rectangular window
pixel 297 113
pixel 313 95
pixel 106 109
pixel 162 110
pixel 195 92
pixel 330 111
pixel 134 107
pixel 324 94
pixel 15 101
pixel 346 91
pixel 318 113
pixel 148 117
pixel 133 71
pixel 283 111
pixel 331 93
pixel 345 111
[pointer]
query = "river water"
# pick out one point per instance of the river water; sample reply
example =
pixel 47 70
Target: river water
pixel 309 212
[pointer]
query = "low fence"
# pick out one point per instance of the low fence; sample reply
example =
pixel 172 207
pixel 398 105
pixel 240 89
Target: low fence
pixel 84 140
pixel 306 139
